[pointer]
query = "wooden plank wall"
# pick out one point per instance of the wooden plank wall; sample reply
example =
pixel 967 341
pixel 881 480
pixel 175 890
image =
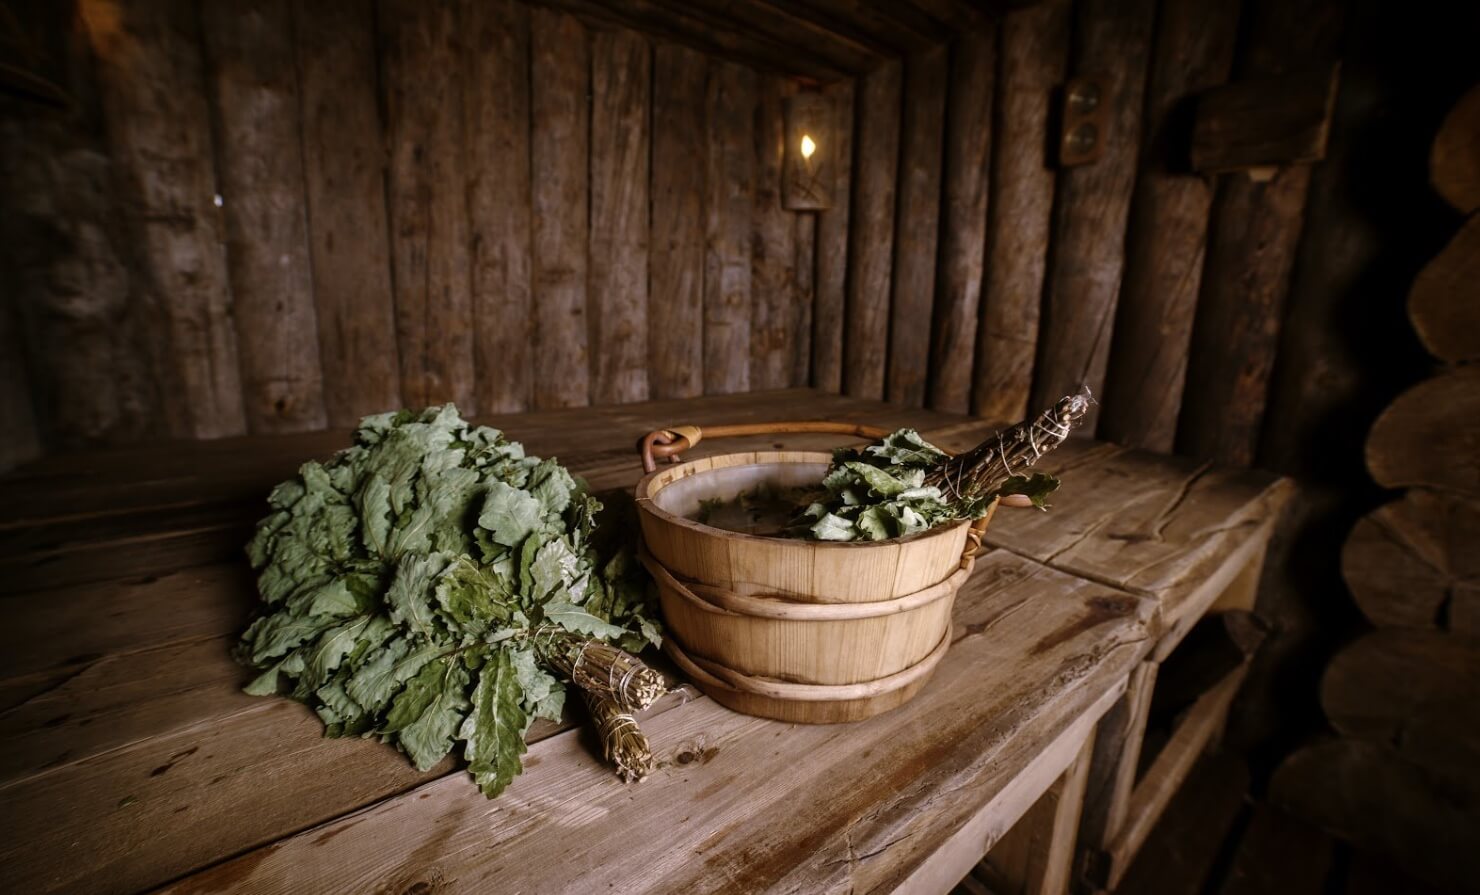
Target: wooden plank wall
pixel 313 212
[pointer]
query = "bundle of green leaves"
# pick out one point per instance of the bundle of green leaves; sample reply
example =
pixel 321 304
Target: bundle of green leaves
pixel 404 580
pixel 879 492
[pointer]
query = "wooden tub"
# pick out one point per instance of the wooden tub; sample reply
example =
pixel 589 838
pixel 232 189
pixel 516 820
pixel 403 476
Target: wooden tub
pixel 802 631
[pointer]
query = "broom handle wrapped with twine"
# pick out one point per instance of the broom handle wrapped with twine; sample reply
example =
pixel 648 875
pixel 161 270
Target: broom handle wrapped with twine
pixel 598 667
pixel 622 741
pixel 982 470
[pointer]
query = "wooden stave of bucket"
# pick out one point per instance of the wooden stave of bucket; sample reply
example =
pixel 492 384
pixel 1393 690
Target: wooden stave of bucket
pixel 911 627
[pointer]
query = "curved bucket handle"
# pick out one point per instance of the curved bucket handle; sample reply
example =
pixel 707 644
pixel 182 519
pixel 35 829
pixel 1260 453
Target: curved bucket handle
pixel 668 443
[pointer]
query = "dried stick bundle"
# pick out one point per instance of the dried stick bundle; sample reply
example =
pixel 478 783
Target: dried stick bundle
pixel 984 469
pixel 599 668
pixel 622 741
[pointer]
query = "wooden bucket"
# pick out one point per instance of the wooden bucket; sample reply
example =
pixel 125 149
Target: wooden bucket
pixel 801 631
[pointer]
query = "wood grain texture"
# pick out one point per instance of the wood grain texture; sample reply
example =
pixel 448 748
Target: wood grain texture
pixel 775 306
pixel 559 146
pixel 344 176
pixel 1282 120
pixel 617 295
pixel 152 90
pixel 259 156
pixel 963 237
pixel 79 366
pixel 917 222
pixel 496 128
pixel 804 243
pixel 1409 563
pixel 676 265
pixel 1167 231
pixel 730 102
pixel 1427 437
pixel 1444 304
pixel 1033 46
pixel 1454 160
pixel 832 249
pixel 1113 766
pixel 966 765
pixel 428 202
pixel 1366 794
pixel 1388 677
pixel 871 232
pixel 21 439
pixel 1112 43
pixel 1254 232
pixel 1036 857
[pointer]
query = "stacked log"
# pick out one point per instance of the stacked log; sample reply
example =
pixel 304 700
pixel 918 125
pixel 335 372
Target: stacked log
pixel 1402 775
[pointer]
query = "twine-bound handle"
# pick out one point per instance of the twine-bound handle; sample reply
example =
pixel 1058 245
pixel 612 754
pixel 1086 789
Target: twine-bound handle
pixel 669 443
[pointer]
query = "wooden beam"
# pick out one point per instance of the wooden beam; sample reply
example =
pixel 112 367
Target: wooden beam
pixel 1112 769
pixel 958 285
pixel 679 24
pixel 559 144
pixel 496 121
pixel 804 291
pixel 917 222
pixel 1167 232
pixel 832 249
pixel 1265 122
pixel 676 265
pixel 1427 436
pixel 1033 47
pixel 259 157
pixel 1444 304
pixel 428 204
pixel 617 297
pixel 774 307
pixel 1454 161
pixel 775 23
pixel 1167 772
pixel 871 236
pixel 152 92
pixel 1112 42
pixel 1036 857
pixel 344 174
pixel 19 439
pixel 892 32
pixel 1254 231
pixel 730 103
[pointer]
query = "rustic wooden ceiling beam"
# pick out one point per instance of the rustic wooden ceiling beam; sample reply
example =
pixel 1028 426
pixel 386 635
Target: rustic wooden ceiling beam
pixel 777 23
pixel 650 18
pixel 861 20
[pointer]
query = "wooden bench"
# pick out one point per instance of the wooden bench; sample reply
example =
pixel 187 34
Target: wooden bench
pixel 132 760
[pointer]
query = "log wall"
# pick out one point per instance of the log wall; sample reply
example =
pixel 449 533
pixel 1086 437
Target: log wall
pixel 282 216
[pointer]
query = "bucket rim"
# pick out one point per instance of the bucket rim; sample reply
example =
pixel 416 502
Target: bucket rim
pixel 645 504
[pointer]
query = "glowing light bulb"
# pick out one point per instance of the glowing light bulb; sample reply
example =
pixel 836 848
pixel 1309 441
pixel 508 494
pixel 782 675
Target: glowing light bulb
pixel 808 147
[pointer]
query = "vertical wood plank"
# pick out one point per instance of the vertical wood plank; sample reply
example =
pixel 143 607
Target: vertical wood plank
pixel 1112 771
pixel 617 303
pixel 20 440
pixel 1112 42
pixel 152 89
pixel 676 266
pixel 344 175
pixel 917 224
pixel 1252 240
pixel 805 290
pixel 730 102
pixel 1167 231
pixel 259 154
pixel 963 240
pixel 1033 47
pixel 428 202
pixel 871 237
pixel 496 126
pixel 560 137
pixel 773 327
pixel 832 249
pixel 77 360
